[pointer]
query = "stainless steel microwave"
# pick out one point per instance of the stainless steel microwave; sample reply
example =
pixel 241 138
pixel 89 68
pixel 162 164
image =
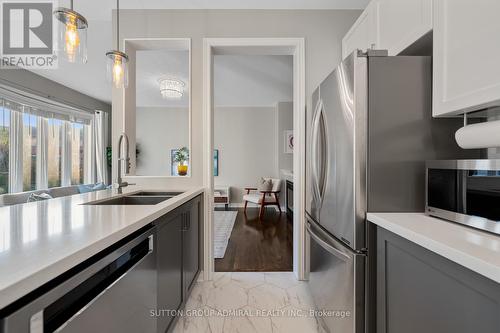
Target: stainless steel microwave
pixel 465 191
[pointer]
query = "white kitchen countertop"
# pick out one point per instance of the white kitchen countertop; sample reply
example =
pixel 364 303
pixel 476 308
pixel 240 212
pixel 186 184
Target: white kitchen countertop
pixel 41 240
pixel 477 250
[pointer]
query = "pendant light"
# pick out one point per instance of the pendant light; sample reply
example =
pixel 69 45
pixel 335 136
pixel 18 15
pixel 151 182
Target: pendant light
pixel 72 35
pixel 117 62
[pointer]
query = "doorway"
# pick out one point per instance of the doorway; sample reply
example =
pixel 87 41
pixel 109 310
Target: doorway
pixel 259 47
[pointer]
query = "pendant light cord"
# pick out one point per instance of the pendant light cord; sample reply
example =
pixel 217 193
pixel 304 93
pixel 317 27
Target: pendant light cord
pixel 117 24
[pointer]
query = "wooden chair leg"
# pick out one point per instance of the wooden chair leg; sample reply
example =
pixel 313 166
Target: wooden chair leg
pixel 277 202
pixel 261 212
pixel 245 209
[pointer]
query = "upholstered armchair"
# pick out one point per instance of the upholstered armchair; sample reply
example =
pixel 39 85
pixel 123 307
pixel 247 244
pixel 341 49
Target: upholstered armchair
pixel 263 197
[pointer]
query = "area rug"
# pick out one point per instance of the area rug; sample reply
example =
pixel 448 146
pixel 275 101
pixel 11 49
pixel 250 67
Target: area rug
pixel 223 226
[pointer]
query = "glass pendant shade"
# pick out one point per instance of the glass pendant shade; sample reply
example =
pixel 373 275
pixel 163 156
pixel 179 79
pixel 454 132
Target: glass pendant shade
pixel 117 68
pixel 171 88
pixel 72 35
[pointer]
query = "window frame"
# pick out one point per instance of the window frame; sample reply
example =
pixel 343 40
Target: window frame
pixel 40 115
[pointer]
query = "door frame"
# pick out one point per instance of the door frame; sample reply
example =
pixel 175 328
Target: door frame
pixel 259 46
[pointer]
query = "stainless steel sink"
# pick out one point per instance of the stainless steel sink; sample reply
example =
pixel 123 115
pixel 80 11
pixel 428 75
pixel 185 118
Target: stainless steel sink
pixel 153 194
pixel 132 200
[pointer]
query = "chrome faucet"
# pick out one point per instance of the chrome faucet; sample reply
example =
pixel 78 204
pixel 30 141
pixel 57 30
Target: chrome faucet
pixel 119 183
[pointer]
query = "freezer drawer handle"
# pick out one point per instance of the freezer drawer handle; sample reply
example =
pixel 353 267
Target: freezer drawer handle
pixel 326 246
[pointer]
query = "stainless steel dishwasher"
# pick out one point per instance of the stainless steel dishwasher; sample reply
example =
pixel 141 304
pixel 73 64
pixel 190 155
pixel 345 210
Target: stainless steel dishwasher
pixel 114 293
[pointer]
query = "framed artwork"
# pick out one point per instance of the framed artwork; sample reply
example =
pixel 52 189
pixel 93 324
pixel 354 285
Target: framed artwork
pixel 216 162
pixel 288 142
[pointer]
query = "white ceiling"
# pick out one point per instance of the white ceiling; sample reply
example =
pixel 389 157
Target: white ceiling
pixel 239 80
pixel 153 65
pixel 252 80
pixel 90 78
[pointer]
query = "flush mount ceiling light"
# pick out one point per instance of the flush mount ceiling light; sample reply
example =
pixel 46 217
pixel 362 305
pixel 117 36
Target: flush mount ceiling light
pixel 72 36
pixel 171 88
pixel 117 62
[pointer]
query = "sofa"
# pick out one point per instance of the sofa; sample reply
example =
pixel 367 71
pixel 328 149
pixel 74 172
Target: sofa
pixel 55 192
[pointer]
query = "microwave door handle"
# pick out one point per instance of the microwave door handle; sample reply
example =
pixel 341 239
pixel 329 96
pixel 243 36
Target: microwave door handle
pixel 463 190
pixel 92 301
pixel 339 254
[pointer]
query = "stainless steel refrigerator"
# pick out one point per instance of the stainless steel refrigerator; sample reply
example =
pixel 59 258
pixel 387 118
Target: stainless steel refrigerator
pixel 370 132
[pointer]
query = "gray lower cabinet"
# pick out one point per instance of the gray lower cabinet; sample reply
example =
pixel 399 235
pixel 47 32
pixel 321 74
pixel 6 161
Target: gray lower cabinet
pixel 169 258
pixel 177 258
pixel 420 291
pixel 190 244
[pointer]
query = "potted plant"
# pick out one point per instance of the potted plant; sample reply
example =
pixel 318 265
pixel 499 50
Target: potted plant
pixel 182 157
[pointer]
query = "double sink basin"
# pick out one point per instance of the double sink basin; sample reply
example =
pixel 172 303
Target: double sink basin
pixel 137 198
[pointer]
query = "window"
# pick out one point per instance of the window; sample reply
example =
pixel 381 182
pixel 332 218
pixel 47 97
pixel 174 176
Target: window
pixel 77 153
pixel 4 150
pixel 54 152
pixel 29 151
pixel 47 145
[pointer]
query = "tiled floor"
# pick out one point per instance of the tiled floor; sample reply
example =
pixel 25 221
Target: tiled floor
pixel 246 302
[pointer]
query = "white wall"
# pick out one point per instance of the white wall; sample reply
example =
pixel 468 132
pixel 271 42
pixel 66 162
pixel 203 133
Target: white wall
pixel 323 31
pixel 158 130
pixel 252 80
pixel 284 113
pixel 246 139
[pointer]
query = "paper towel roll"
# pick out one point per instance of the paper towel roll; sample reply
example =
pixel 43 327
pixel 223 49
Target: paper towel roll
pixel 482 135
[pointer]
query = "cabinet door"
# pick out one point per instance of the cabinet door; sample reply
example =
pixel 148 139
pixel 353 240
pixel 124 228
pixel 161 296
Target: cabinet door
pixel 420 291
pixel 402 22
pixel 191 245
pixel 169 254
pixel 466 49
pixel 364 33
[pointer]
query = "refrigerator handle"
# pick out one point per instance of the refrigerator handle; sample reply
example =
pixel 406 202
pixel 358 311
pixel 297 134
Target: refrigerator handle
pixel 326 246
pixel 325 158
pixel 314 155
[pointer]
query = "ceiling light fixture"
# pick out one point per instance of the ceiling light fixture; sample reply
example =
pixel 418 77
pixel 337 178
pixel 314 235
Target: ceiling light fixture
pixel 72 37
pixel 171 88
pixel 117 62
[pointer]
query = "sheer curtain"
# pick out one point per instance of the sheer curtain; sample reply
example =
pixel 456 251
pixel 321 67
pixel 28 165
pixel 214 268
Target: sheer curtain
pixel 66 154
pixel 42 173
pixel 101 142
pixel 89 155
pixel 16 152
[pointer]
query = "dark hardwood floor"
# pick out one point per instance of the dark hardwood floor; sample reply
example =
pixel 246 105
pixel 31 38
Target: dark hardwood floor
pixel 258 246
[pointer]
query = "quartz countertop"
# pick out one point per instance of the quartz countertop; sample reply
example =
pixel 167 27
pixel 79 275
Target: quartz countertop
pixel 41 240
pixel 477 250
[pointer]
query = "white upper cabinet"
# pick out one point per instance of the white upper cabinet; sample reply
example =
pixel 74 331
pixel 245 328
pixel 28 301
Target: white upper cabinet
pixel 402 22
pixel 363 34
pixel 391 25
pixel 466 56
